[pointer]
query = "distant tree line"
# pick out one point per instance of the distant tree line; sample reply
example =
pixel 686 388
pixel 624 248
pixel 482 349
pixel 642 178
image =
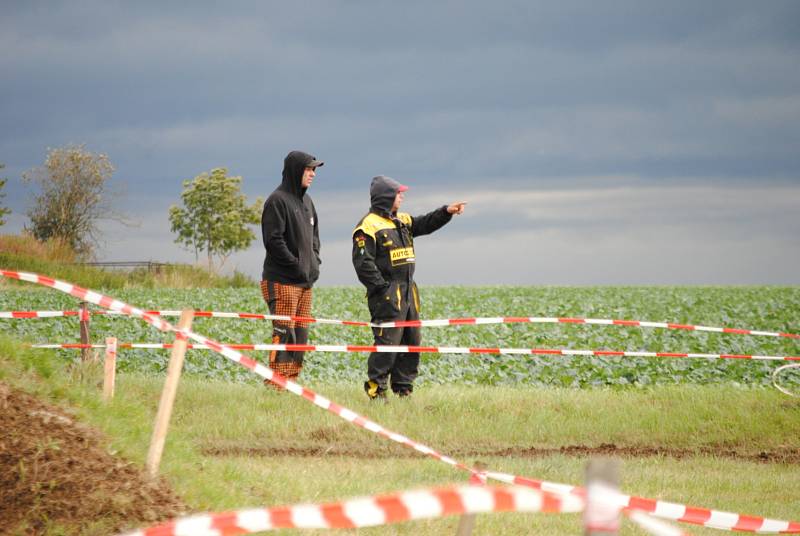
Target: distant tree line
pixel 73 198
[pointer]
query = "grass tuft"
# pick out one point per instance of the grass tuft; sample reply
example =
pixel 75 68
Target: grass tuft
pixel 55 259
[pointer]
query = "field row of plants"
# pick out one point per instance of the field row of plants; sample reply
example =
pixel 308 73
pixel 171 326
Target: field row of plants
pixel 764 308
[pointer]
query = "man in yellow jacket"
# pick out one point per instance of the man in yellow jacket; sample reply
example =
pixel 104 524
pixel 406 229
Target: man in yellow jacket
pixel 384 259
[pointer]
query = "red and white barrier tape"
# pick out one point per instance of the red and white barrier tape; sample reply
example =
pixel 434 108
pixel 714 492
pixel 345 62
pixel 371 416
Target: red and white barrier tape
pixel 428 323
pixel 706 517
pixel 387 509
pixel 237 357
pixel 429 350
pixel 370 511
pixel 689 514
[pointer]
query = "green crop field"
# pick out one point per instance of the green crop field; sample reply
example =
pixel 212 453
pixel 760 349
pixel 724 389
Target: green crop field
pixel 763 308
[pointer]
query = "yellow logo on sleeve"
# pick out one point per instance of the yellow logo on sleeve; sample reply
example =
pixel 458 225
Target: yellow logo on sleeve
pixel 402 256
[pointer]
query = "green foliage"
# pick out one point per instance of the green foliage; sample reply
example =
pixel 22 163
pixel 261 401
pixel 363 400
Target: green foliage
pixel 186 276
pixel 3 210
pixel 215 216
pixel 766 308
pixel 73 198
pixel 56 259
pixel 84 276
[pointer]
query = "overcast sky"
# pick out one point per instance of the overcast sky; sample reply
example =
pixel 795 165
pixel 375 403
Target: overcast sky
pixel 617 142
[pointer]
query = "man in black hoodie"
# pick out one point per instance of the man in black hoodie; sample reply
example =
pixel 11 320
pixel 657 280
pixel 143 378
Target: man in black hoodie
pixel 290 231
pixel 384 259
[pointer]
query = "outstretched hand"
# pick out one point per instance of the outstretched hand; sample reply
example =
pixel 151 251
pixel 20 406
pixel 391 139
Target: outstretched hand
pixel 456 208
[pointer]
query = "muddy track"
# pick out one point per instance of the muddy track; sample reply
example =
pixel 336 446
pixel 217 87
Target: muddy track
pixel 787 456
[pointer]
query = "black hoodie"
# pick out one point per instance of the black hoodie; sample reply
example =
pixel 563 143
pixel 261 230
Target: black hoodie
pixel 382 192
pixel 290 228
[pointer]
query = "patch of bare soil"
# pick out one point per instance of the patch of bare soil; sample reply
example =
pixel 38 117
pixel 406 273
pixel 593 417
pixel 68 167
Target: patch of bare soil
pixel 787 455
pixel 56 472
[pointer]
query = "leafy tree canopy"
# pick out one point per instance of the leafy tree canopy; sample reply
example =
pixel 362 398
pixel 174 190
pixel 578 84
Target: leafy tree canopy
pixel 215 217
pixel 73 197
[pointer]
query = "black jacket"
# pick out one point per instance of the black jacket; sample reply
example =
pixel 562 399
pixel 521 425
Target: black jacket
pixel 290 228
pixel 383 251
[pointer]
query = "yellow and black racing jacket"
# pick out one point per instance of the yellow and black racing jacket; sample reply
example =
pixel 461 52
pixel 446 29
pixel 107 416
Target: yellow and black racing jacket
pixel 384 259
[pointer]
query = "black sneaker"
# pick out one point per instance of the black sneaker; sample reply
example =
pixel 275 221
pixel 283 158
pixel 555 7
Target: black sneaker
pixel 374 391
pixel 402 390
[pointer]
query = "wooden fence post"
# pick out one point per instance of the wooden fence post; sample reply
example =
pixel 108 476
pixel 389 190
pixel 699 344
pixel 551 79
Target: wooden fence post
pixel 601 516
pixel 110 368
pixel 86 353
pixel 467 522
pixel 168 395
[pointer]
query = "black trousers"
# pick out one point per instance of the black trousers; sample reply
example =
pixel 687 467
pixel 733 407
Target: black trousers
pixel 399 369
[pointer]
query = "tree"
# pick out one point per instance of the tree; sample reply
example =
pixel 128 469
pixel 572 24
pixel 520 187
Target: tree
pixel 215 216
pixel 3 210
pixel 73 182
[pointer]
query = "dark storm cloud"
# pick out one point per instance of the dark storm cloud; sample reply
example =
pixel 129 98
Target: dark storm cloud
pixel 457 96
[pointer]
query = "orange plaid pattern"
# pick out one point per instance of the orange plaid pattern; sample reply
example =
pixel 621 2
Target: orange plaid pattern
pixel 287 300
pixel 290 371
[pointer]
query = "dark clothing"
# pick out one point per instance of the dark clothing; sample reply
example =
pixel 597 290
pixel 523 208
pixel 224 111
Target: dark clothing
pixel 290 229
pixel 384 260
pixel 402 366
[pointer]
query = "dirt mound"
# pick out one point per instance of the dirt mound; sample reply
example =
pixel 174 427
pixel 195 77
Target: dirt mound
pixel 56 472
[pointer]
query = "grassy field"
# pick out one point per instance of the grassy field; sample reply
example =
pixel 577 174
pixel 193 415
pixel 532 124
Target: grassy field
pixel 55 259
pixel 235 445
pixel 705 433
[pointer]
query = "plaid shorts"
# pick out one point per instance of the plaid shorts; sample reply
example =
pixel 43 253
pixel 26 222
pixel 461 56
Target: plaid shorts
pixel 287 300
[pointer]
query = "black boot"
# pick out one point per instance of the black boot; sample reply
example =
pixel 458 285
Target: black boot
pixel 374 391
pixel 403 391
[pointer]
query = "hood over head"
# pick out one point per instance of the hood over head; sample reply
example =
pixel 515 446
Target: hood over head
pixel 382 192
pixel 294 165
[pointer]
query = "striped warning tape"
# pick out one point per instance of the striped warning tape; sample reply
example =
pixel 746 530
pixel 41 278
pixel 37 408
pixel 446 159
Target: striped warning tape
pixel 700 516
pixel 427 349
pixel 387 509
pixel 370 511
pixel 237 357
pixel 706 517
pixel 427 323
